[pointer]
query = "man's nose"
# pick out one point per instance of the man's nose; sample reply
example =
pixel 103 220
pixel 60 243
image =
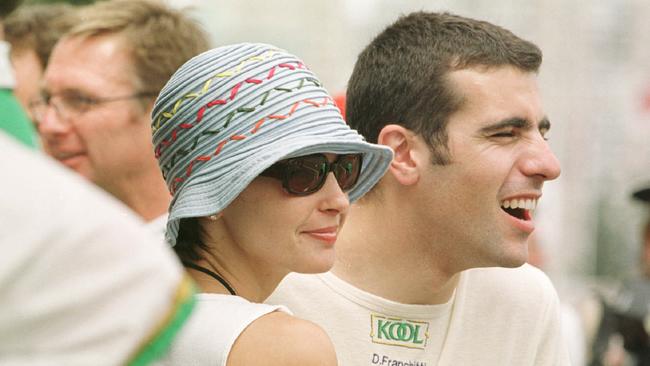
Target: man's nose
pixel 541 161
pixel 50 122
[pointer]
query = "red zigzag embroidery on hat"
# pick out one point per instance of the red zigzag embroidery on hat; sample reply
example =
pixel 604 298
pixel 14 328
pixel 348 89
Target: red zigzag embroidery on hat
pixel 220 145
pixel 182 152
pixel 233 93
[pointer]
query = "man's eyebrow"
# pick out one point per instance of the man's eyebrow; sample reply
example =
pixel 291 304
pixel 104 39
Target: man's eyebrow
pixel 515 122
pixel 65 91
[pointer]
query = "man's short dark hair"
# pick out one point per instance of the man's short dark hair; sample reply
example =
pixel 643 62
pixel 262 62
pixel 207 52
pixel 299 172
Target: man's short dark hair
pixel 401 76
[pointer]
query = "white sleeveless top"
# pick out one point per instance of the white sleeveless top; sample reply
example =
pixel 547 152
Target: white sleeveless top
pixel 211 331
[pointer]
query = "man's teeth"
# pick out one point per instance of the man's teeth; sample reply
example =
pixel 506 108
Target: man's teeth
pixel 527 204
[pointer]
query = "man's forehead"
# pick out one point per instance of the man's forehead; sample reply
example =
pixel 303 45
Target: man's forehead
pixel 497 94
pixel 82 63
pixel 480 75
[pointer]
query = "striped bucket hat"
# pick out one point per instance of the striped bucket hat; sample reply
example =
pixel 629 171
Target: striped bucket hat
pixel 229 113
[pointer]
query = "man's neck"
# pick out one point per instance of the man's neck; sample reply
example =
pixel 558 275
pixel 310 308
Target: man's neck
pixel 381 254
pixel 146 194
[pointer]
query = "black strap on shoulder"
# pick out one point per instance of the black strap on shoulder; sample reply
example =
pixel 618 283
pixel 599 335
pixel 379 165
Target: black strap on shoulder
pixel 211 274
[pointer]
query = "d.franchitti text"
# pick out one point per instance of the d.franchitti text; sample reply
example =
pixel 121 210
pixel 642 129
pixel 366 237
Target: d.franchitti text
pixel 384 360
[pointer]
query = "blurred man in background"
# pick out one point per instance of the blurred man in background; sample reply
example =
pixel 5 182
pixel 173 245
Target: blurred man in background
pixel 622 337
pixel 643 195
pixel 32 31
pixel 98 91
pixel 13 119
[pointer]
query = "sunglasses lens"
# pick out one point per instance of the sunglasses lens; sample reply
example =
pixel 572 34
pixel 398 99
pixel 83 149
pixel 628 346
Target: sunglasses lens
pixel 306 175
pixel 347 171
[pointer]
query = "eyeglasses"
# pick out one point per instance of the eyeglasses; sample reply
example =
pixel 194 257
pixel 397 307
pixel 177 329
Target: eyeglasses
pixel 305 175
pixel 73 104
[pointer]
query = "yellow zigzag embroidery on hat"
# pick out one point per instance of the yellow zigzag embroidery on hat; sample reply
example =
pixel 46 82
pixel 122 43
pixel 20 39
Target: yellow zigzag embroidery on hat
pixel 234 71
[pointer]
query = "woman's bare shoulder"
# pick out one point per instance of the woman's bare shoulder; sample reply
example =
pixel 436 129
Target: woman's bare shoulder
pixel 281 339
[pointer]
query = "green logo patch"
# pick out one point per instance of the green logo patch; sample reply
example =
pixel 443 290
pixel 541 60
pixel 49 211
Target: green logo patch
pixel 399 332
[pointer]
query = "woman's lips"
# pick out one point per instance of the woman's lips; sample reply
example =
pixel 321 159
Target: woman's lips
pixel 327 235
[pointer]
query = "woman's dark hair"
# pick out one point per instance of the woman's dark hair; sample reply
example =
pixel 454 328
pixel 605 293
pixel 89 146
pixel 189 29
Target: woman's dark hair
pixel 189 240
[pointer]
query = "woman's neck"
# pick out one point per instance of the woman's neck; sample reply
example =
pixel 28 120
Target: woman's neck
pixel 214 275
pixel 249 278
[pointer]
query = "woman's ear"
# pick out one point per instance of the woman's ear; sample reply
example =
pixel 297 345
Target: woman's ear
pixel 405 166
pixel 215 217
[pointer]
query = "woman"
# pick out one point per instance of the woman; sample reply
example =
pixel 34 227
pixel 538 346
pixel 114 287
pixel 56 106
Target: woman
pixel 262 169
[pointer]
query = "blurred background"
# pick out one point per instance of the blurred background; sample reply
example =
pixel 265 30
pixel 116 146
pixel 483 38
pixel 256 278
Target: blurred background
pixel 595 80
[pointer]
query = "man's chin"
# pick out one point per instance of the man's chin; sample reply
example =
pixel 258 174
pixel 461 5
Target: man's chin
pixel 514 263
pixel 517 257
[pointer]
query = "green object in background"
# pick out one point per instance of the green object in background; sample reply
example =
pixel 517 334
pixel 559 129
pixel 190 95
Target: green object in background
pixel 73 2
pixel 14 121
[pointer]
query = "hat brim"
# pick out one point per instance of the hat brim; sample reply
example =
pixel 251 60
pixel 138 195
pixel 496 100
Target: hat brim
pixel 209 195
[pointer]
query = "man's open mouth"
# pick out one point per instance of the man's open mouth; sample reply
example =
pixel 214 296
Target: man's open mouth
pixel 519 208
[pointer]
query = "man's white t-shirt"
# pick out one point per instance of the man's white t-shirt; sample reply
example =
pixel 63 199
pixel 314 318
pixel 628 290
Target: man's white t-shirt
pixel 496 316
pixel 81 281
pixel 158 226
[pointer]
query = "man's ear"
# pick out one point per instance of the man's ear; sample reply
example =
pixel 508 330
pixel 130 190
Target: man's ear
pixel 404 167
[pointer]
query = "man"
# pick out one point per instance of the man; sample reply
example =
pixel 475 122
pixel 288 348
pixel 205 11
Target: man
pixel 82 282
pixel 98 91
pixel 635 292
pixel 13 119
pixel 622 334
pixel 32 31
pixel 457 101
pixel 643 195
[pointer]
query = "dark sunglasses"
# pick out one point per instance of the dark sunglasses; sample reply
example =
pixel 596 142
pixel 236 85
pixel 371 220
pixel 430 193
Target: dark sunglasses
pixel 305 175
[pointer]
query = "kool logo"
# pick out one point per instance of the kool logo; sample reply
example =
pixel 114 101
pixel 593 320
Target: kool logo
pixel 399 332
